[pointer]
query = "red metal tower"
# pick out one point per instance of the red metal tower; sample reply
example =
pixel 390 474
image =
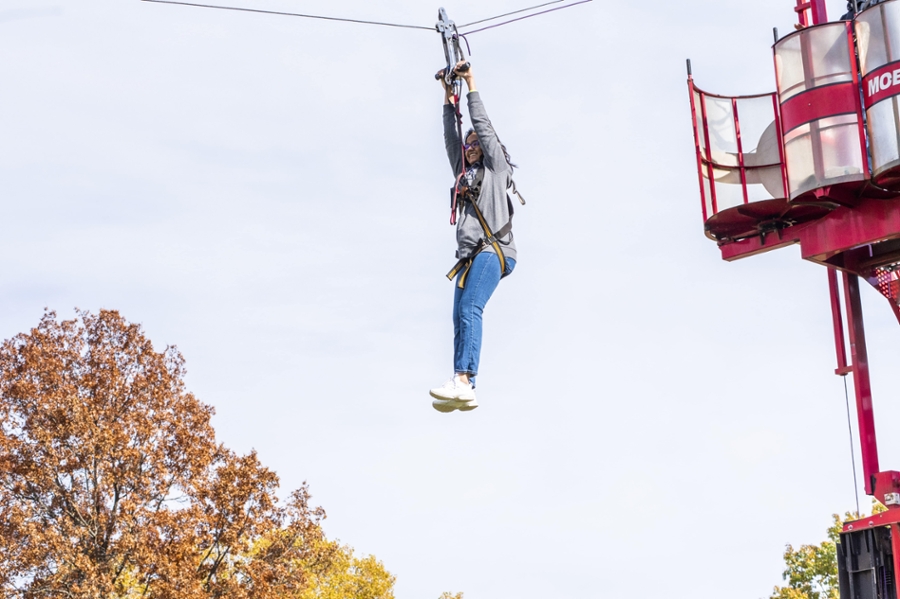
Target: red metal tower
pixel 817 163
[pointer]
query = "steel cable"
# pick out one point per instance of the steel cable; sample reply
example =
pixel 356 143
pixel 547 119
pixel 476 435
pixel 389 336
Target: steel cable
pixel 379 23
pixel 543 12
pixel 515 12
pixel 291 14
pixel 852 453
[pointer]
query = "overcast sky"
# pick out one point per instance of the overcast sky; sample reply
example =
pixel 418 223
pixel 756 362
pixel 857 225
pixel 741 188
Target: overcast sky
pixel 270 195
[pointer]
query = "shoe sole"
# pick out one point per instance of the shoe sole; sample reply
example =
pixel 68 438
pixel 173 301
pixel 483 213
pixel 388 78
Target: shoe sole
pixel 445 406
pixel 442 407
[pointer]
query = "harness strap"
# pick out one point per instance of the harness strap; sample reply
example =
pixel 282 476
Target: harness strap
pixel 464 264
pixel 491 239
pixel 494 243
pixel 454 207
pixel 512 186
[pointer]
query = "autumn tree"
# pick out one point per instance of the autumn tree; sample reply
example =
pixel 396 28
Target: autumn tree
pixel 811 571
pixel 112 483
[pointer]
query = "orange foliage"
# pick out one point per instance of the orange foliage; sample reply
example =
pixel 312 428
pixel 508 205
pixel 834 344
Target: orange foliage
pixel 112 483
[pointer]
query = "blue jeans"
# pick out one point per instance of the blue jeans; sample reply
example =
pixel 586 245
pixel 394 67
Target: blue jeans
pixel 468 307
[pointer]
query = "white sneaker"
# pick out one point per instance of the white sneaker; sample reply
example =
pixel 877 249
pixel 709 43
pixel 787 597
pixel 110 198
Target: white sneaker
pixel 454 390
pixel 454 395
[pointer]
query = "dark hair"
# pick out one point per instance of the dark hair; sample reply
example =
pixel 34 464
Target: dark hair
pixel 503 147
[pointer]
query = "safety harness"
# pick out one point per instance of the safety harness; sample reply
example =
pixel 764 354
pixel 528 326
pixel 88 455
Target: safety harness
pixel 471 194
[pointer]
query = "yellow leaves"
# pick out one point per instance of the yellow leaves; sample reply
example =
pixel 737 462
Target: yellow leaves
pixel 788 593
pixel 347 576
pixel 451 596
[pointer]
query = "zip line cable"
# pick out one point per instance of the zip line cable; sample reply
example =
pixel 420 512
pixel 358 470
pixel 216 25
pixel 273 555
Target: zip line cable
pixel 380 23
pixel 852 456
pixel 543 12
pixel 291 14
pixel 515 12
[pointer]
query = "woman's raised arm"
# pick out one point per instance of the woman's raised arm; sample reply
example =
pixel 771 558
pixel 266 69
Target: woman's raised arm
pixel 494 157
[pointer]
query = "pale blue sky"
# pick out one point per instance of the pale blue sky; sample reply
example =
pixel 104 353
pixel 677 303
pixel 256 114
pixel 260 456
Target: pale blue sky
pixel 270 195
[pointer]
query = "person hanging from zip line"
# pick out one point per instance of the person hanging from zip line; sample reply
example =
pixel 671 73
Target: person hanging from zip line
pixel 485 247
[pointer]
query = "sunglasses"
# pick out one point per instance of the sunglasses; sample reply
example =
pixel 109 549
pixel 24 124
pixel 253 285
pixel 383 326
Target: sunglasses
pixel 474 144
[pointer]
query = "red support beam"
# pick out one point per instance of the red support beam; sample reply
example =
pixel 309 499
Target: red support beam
pixel 819 14
pixel 802 14
pixel 811 12
pixel 840 346
pixel 871 222
pixel 862 386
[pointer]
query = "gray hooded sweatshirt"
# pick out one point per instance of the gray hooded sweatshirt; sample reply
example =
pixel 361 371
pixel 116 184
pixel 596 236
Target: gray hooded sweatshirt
pixel 497 175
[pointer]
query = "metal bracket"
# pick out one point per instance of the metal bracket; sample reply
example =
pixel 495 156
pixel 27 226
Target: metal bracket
pixel 453 52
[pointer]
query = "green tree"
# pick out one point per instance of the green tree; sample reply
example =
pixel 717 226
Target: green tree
pixel 811 570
